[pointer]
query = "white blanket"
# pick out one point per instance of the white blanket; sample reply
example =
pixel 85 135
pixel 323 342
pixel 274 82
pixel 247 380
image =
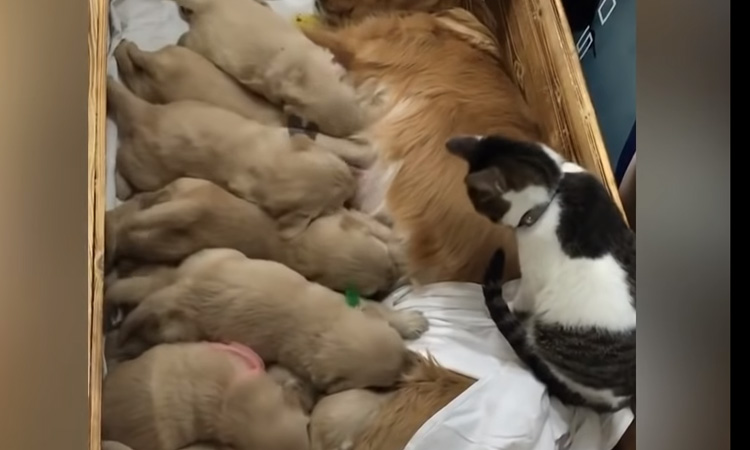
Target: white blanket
pixel 507 408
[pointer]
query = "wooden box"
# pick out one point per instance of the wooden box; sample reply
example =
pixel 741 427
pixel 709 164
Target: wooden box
pixel 536 39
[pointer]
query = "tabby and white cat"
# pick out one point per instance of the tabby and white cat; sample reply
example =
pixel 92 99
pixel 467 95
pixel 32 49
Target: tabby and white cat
pixel 573 321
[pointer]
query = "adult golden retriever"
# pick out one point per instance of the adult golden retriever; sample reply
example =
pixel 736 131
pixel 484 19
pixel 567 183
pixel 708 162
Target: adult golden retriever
pixel 444 75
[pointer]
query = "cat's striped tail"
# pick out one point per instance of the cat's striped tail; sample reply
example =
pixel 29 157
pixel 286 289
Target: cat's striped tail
pixel 513 329
pixel 517 336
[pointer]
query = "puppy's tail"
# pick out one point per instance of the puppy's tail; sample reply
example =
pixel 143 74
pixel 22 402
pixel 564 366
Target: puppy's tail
pixel 124 105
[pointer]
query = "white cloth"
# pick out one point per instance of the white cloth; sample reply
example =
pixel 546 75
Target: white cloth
pixel 291 8
pixel 507 408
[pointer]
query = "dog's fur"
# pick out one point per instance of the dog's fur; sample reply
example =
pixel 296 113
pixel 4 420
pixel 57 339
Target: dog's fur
pixel 221 295
pixel 288 176
pixel 443 77
pixel 338 12
pixel 338 419
pixel 340 250
pixel 268 55
pixel 296 389
pixel 175 73
pixel 176 395
pixel 423 391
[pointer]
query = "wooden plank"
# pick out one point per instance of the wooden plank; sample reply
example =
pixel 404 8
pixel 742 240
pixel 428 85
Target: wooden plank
pixel 97 48
pixel 539 44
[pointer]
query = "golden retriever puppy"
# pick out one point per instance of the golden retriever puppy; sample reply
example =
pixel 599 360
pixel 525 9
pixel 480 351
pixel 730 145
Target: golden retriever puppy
pixel 338 419
pixel 175 73
pixel 424 390
pixel 296 390
pixel 267 54
pixel 444 76
pixel 348 249
pixel 177 395
pixel 220 295
pixel 187 215
pixel 288 176
pixel 340 250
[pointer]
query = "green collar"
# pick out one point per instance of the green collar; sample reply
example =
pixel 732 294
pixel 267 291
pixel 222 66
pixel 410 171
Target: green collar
pixel 352 297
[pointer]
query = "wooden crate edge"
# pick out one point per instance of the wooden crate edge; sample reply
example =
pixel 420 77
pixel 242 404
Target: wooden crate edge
pixel 97 50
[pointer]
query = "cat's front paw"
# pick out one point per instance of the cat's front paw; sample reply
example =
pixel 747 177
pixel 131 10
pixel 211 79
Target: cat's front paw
pixel 409 324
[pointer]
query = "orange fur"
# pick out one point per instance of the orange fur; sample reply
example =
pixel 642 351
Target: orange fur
pixel 339 11
pixel 426 389
pixel 443 76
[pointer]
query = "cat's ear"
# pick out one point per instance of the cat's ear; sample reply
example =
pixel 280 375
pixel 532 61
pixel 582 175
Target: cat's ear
pixel 465 147
pixel 487 182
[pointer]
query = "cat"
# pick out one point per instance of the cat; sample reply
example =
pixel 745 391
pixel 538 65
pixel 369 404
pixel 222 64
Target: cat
pixel 573 320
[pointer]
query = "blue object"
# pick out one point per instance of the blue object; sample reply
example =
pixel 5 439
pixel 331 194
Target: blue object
pixel 610 72
pixel 628 150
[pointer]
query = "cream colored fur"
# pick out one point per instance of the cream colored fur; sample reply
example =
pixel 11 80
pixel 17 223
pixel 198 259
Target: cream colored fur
pixel 289 177
pixel 345 248
pixel 175 73
pixel 221 295
pixel 268 55
pixel 338 419
pixel 177 395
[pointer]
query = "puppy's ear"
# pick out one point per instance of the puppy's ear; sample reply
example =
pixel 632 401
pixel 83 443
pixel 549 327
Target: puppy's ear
pixel 329 40
pixel 465 147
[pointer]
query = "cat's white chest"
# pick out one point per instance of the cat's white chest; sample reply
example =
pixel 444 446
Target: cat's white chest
pixel 570 291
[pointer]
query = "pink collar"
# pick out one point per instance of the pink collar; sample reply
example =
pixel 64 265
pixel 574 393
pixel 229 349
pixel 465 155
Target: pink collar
pixel 251 359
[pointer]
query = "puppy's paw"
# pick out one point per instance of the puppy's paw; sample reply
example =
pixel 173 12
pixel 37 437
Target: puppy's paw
pixel 409 324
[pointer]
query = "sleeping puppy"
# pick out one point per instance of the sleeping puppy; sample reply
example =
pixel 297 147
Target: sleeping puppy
pixel 220 295
pixel 348 249
pixel 177 395
pixel 340 250
pixel 268 55
pixel 175 73
pixel 187 215
pixel 337 420
pixel 288 176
